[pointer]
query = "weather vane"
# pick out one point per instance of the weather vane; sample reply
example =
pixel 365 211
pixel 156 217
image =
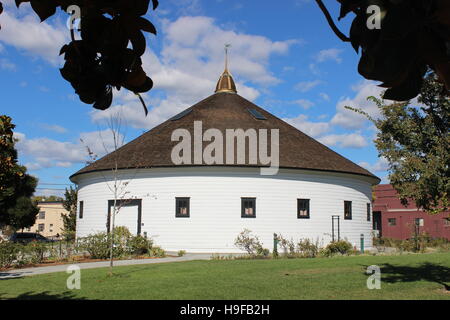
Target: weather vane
pixel 227 46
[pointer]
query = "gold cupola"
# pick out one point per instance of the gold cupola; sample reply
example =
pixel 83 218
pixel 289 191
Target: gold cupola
pixel 226 82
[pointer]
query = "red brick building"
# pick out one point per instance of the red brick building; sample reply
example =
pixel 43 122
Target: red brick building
pixel 393 220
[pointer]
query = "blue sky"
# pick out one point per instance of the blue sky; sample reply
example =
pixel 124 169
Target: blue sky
pixel 284 57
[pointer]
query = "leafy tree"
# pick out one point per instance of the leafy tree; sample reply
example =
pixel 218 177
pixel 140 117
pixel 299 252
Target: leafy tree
pixel 412 36
pixel 70 220
pixel 415 139
pixel 16 186
pixel 101 59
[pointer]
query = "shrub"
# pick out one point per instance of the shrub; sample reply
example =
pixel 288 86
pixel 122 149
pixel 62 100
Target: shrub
pixel 181 253
pixel 36 251
pixel 217 256
pixel 308 249
pixel 97 245
pixel 288 246
pixel 407 245
pixel 68 235
pixel 342 247
pixel 262 252
pixel 139 245
pixel 125 244
pixel 251 244
pixel 9 253
pixel 157 252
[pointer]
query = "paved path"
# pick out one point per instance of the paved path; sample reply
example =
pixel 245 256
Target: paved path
pixel 17 273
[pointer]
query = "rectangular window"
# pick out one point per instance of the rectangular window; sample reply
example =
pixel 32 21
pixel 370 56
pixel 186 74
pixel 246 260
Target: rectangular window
pixel 41 214
pixel 392 222
pixel 347 210
pixel 303 208
pixel 41 227
pixel 447 222
pixel 368 212
pixel 81 210
pixel 248 207
pixel 419 222
pixel 182 207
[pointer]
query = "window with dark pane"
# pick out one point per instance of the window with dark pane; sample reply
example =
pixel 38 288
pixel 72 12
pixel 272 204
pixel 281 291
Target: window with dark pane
pixel 81 210
pixel 303 208
pixel 347 210
pixel 182 207
pixel 248 207
pixel 368 212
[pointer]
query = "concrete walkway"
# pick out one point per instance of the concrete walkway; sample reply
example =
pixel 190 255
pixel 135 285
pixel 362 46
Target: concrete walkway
pixel 18 273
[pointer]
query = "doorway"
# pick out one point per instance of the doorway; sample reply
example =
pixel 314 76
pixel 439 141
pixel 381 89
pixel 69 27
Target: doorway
pixel 129 215
pixel 377 226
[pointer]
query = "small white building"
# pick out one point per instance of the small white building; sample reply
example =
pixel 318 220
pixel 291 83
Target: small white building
pixel 202 206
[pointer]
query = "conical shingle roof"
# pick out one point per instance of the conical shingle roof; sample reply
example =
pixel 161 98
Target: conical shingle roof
pixel 224 111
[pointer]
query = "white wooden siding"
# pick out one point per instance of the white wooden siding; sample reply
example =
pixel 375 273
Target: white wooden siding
pixel 215 205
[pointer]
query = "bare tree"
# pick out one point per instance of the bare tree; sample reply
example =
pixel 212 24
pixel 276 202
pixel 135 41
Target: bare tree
pixel 118 185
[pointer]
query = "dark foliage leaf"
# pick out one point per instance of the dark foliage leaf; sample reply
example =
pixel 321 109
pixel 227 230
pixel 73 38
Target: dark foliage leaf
pixel 104 100
pixel 348 6
pixel 410 88
pixel 146 25
pixel 155 4
pixel 44 8
pixel 101 59
pixel 414 34
pixel 146 86
pixel 139 43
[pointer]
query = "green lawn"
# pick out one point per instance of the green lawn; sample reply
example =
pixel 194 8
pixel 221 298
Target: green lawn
pixel 419 276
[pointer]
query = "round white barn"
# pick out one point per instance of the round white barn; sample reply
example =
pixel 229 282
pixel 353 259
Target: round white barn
pixel 187 197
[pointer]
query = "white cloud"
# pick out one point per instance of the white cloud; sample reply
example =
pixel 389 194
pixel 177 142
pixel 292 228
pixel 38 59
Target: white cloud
pixel 324 96
pixel 350 119
pixel 352 140
pixel 332 54
pixel 190 63
pixel 54 128
pixel 304 103
pixel 48 153
pixel 305 86
pixel 381 165
pixel 28 34
pixel 6 64
pixel 313 129
pixel 194 45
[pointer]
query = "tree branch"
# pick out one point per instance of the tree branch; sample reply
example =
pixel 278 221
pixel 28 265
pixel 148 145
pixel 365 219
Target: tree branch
pixel 324 9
